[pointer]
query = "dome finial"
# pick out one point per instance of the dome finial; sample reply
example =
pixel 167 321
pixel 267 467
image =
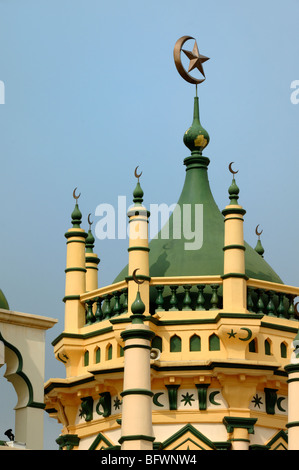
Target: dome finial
pixel 196 138
pixel 233 190
pixel 76 214
pixel 259 247
pixel 138 192
pixel 90 238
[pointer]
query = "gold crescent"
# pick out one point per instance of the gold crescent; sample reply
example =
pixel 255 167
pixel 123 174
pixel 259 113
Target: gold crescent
pixel 178 63
pixel 89 221
pixel 74 194
pixel 135 278
pixel 231 170
pixel 136 174
pixel 256 231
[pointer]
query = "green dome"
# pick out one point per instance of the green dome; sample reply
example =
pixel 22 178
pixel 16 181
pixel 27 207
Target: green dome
pixel 169 257
pixel 3 301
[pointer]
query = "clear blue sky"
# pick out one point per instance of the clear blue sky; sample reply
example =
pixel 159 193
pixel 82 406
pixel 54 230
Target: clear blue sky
pixel 91 91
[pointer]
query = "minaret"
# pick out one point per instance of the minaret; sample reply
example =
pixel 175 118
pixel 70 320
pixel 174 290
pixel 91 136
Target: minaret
pixel 138 246
pixel 75 272
pixel 234 278
pixel 293 393
pixel 91 261
pixel 136 424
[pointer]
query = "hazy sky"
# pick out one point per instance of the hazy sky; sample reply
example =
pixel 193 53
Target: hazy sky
pixel 91 91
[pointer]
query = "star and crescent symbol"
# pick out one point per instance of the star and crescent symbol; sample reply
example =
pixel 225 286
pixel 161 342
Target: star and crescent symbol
pixel 196 60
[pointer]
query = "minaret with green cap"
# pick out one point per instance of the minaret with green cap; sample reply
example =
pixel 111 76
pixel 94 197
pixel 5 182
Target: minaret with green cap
pixel 91 261
pixel 138 245
pixel 234 278
pixel 136 427
pixel 75 272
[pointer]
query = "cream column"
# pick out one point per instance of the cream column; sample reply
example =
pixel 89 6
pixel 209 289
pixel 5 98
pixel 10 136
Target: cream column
pixel 138 248
pixel 136 428
pixel 293 401
pixel 234 278
pixel 75 279
pixel 239 430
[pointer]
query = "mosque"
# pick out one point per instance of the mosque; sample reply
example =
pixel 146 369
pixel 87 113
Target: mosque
pixel 193 346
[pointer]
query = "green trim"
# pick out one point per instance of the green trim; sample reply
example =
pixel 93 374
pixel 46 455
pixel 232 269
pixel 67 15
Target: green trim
pixel 137 333
pixel 67 270
pixel 71 297
pixel 232 422
pixel 136 437
pixel 239 275
pixel 139 248
pixel 136 346
pixel 292 424
pixel 82 336
pixel 92 267
pixel 68 441
pixel 137 391
pixel 231 247
pixel 36 404
pixel 234 211
pixel 138 276
pixel 100 437
pixel 137 219
pixel 233 218
pixel 197 434
pixel 91 259
pixel 76 234
pixel 31 403
pixel 75 241
pixel 54 385
pixel 290 368
pixel 292 380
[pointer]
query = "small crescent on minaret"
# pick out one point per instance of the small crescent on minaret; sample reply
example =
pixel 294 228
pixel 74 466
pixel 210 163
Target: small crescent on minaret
pixel 135 278
pixel 136 174
pixel 74 194
pixel 89 221
pixel 257 232
pixel 231 170
pixel 295 307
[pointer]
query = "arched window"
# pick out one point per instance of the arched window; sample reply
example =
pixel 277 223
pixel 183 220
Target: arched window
pixel 267 347
pixel 214 343
pixel 195 343
pixel 283 350
pixel 175 344
pixel 252 346
pixel 98 355
pixel 157 343
pixel 109 352
pixel 86 358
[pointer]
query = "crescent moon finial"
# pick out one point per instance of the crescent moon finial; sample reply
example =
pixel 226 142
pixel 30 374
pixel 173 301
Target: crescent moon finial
pixel 136 174
pixel 89 221
pixel 74 195
pixel 196 60
pixel 257 232
pixel 135 278
pixel 231 170
pixel 296 310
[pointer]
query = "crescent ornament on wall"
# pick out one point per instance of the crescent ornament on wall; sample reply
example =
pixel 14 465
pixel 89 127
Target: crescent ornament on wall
pixel 135 278
pixel 279 400
pixel 156 397
pixel 212 398
pixel 249 334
